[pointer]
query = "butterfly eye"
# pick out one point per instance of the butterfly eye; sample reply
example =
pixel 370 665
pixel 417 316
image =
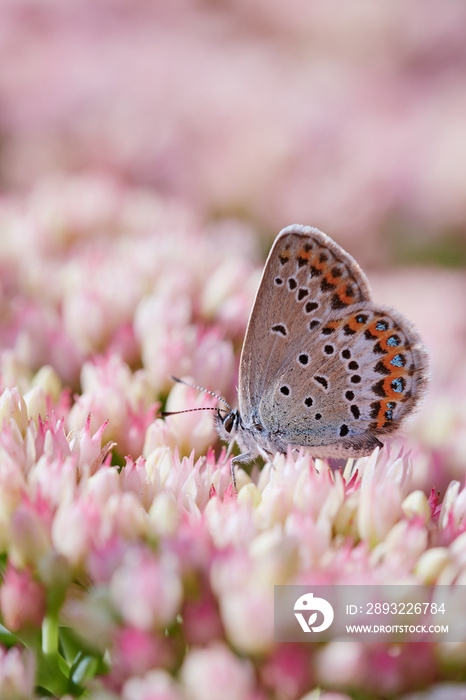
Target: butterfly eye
pixel 229 422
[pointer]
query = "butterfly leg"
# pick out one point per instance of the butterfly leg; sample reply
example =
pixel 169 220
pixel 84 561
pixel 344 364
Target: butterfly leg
pixel 267 456
pixel 228 452
pixel 246 457
pixel 232 470
pixel 238 458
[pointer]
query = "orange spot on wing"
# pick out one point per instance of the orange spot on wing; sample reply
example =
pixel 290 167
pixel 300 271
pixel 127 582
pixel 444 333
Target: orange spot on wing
pixel 341 290
pixel 385 406
pixel 333 324
pixel 390 393
pixel 306 255
pixel 354 325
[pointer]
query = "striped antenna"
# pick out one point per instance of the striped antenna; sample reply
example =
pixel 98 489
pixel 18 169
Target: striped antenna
pixel 201 408
pixel 189 410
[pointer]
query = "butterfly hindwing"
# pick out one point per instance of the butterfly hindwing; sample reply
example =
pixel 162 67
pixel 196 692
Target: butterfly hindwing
pixel 356 384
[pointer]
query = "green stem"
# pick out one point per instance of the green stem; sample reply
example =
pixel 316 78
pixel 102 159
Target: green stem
pixel 50 633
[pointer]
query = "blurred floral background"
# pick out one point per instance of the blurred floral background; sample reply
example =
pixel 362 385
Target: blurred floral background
pixel 149 154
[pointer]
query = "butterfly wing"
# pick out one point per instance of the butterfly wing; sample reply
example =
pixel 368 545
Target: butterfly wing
pixel 322 365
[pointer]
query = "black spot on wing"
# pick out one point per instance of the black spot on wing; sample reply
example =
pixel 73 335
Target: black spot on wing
pixel 323 381
pixel 279 328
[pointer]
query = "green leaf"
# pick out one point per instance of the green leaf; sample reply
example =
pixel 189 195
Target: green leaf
pixel 7 638
pixel 85 668
pixel 52 674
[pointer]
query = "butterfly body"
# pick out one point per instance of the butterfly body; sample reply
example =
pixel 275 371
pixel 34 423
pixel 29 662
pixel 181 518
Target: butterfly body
pixel 323 366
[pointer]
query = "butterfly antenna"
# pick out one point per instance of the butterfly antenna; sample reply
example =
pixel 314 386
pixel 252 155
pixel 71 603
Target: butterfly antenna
pixel 206 391
pixel 189 410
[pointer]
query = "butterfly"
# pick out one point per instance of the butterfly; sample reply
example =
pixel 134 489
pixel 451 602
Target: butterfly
pixel 323 366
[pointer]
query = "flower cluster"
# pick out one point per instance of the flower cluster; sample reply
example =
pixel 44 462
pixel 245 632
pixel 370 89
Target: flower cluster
pixel 131 568
pixel 163 577
pixel 356 121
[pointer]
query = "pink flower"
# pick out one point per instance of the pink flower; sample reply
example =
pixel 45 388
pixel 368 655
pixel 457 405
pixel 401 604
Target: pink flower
pixel 185 431
pixel 247 616
pixel 229 290
pixel 48 380
pixel 146 589
pixel 201 618
pixel 155 685
pixel 300 492
pixel 134 477
pixel 50 438
pixel 136 652
pixel 113 396
pixel 95 315
pixel 22 599
pixel 17 674
pixel 125 516
pixel 191 482
pixel 288 670
pixel 12 484
pixel 452 518
pixel 432 563
pixel 100 514
pixel 341 665
pixel 13 412
pixel 171 345
pixel 38 336
pixel 104 558
pixel 165 515
pixel 53 479
pixel 214 671
pixel 230 522
pixel 76 526
pixel 402 547
pixel 385 482
pixel 88 448
pixel 30 532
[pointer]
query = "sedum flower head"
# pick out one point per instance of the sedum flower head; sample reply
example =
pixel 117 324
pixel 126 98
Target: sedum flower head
pixel 131 566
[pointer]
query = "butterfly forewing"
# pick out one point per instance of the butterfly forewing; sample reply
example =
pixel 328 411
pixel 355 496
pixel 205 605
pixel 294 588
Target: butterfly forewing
pixel 305 273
